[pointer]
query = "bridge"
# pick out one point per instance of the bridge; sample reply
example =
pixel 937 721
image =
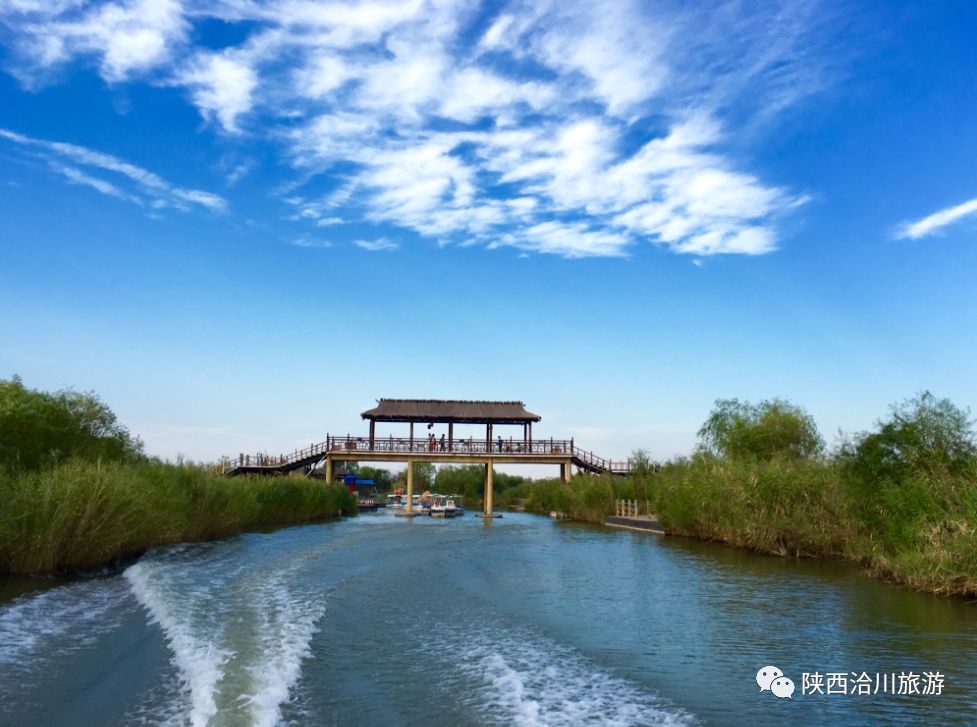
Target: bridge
pixel 447 449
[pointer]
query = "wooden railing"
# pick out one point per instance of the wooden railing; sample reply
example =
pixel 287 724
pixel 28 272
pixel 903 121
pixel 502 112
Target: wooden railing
pixel 592 461
pixel 403 445
pixel 263 459
pixel 469 445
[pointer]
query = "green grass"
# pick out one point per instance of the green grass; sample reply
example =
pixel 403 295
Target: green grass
pixel 919 531
pixel 80 515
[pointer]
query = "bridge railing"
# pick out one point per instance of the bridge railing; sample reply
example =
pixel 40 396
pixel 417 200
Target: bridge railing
pixel 468 445
pixel 594 462
pixel 399 445
pixel 272 461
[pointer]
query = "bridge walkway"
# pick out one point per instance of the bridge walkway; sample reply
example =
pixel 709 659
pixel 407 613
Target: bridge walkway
pixel 469 450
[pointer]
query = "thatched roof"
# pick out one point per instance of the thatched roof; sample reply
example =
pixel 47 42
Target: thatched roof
pixel 443 411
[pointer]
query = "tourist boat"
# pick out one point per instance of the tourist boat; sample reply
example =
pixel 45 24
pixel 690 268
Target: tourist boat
pixel 445 508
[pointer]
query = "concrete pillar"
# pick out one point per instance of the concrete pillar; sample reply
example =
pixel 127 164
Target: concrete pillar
pixel 410 486
pixel 565 472
pixel 488 489
pixel 328 471
pixel 451 436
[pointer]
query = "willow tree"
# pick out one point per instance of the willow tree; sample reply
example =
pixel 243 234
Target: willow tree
pixel 772 429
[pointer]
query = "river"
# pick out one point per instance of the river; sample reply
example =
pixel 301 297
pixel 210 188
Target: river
pixel 376 620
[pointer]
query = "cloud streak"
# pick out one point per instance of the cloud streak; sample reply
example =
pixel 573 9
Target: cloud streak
pixel 934 223
pixel 159 193
pixel 379 245
pixel 79 177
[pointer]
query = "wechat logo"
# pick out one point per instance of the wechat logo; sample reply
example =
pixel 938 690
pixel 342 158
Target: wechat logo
pixel 771 679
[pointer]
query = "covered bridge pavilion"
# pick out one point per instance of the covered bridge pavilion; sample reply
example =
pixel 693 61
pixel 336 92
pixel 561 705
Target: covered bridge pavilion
pixel 441 411
pixel 447 411
pixel 489 451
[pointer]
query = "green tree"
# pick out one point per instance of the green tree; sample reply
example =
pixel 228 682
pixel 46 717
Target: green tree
pixel 382 478
pixel 641 462
pixel 425 474
pixel 771 429
pixel 39 428
pixel 641 477
pixel 922 434
pixel 912 480
pixel 467 480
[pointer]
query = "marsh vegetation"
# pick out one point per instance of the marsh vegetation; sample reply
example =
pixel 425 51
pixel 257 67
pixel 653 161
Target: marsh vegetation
pixel 900 499
pixel 78 492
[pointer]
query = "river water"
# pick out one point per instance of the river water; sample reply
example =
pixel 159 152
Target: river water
pixel 378 620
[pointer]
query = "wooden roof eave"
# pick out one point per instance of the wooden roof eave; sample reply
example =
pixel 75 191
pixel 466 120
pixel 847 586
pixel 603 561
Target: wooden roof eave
pixel 430 411
pixel 449 420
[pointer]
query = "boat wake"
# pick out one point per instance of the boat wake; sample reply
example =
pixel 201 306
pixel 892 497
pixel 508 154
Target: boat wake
pixel 238 640
pixel 191 633
pixel 526 679
pixel 287 623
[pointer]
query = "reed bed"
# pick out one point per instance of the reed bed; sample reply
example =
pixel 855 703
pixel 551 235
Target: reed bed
pixel 80 515
pixel 919 532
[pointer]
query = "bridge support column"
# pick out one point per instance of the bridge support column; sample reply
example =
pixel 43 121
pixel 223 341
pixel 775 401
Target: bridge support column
pixel 565 471
pixel 488 489
pixel 328 470
pixel 410 486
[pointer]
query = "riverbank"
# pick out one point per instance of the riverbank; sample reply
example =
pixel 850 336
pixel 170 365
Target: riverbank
pixel 82 515
pixel 921 536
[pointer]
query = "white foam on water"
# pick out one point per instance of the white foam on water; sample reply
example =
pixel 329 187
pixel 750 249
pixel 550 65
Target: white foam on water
pixel 529 680
pixel 239 630
pixel 197 655
pixel 62 619
pixel 161 706
pixel 288 621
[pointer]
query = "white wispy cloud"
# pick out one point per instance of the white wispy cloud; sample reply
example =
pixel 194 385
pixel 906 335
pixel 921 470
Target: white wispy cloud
pixel 329 221
pixel 238 172
pixel 935 222
pixel 568 128
pixel 381 244
pixel 310 242
pixel 79 177
pixel 160 193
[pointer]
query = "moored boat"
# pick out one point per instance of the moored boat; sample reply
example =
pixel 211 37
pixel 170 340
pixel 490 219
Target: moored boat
pixel 445 508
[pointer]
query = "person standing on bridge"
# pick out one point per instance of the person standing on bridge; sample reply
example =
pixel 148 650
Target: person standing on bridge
pixel 500 443
pixel 441 443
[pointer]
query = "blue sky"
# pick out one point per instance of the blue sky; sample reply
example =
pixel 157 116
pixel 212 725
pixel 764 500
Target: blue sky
pixel 240 223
